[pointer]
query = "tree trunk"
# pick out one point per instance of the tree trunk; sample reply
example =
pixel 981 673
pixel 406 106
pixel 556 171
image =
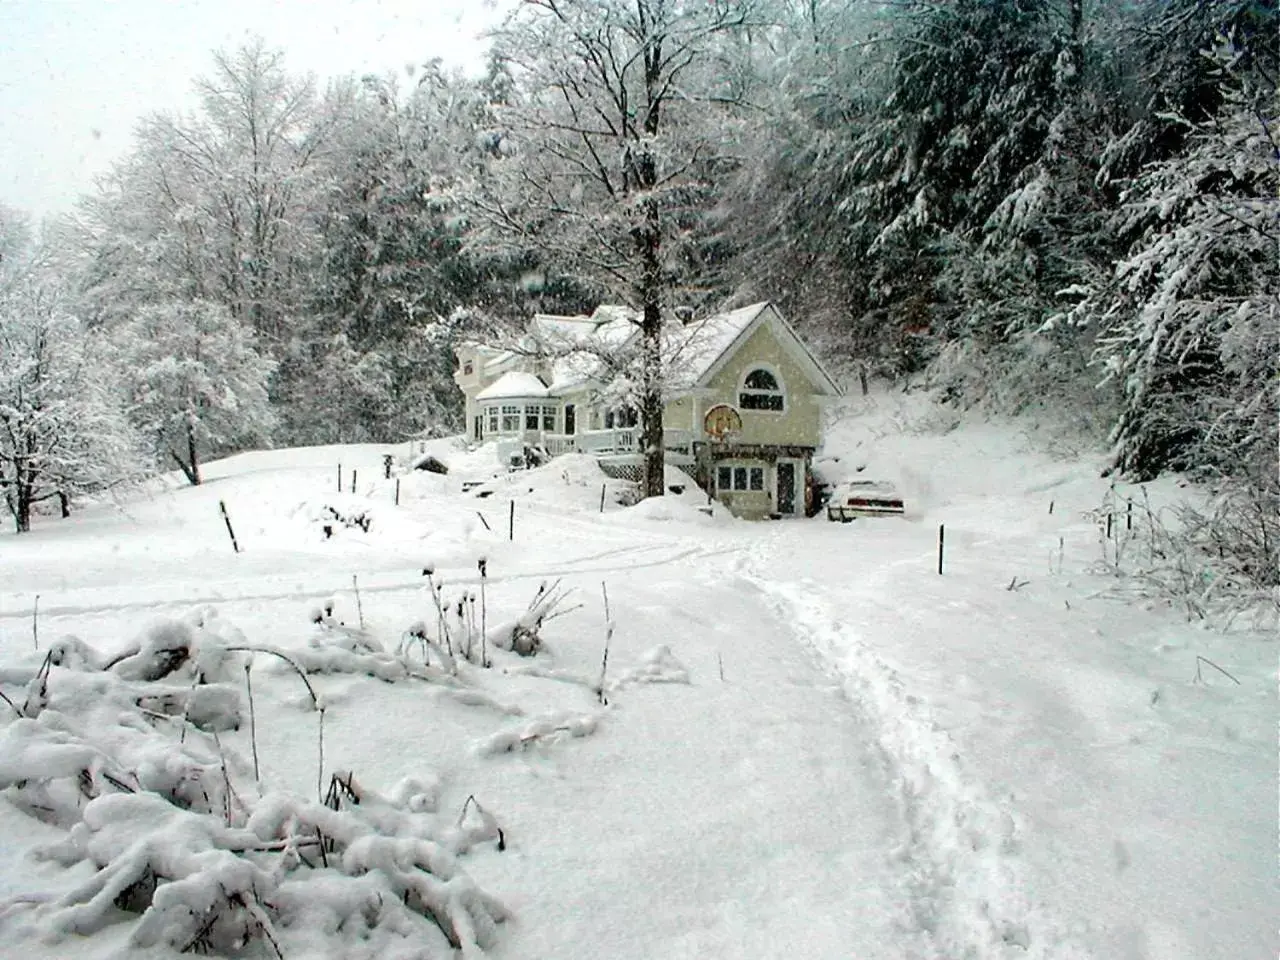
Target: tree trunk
pixel 651 403
pixel 24 495
pixel 650 243
pixel 193 457
pixel 191 466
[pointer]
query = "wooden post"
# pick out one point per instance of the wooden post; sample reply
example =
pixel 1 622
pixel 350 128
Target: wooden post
pixel 942 535
pixel 353 480
pixel 603 486
pixel 1128 516
pixel 397 491
pixel 339 477
pixel 483 520
pixel 511 522
pixel 227 520
pixel 35 622
pixel 1051 508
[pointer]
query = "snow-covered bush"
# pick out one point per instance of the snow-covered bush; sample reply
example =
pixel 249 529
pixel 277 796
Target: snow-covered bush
pixel 123 753
pixel 1215 555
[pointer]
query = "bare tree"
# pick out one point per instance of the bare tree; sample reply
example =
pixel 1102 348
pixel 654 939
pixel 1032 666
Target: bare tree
pixel 616 139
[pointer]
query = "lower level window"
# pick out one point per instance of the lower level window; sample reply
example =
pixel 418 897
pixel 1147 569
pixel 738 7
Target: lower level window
pixel 510 419
pixel 492 425
pixel 732 478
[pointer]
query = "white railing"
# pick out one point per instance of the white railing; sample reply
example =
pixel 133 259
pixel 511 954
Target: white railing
pixel 620 441
pixel 616 441
pixel 557 443
pixel 626 440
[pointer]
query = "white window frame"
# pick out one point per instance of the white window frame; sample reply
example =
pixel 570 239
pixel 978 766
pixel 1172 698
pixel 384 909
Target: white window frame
pixel 532 411
pixel 745 392
pixel 550 415
pixel 491 420
pixel 511 418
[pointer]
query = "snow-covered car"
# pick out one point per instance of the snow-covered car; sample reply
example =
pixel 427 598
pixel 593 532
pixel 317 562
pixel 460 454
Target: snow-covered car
pixel 864 498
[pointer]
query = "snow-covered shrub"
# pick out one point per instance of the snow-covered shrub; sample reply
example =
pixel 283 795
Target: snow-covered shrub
pixel 1217 554
pixel 123 753
pixel 521 635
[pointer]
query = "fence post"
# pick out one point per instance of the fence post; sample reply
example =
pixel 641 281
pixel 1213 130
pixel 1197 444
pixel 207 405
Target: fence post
pixel 227 520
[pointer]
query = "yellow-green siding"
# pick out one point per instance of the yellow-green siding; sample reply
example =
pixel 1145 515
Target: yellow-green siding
pixel 800 422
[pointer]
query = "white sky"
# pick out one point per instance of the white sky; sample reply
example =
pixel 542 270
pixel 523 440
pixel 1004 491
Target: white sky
pixel 76 74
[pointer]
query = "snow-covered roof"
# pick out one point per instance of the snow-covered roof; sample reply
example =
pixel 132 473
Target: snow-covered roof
pixel 576 347
pixel 692 350
pixel 513 384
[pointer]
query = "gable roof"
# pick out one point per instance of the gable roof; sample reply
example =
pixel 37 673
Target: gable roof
pixel 746 322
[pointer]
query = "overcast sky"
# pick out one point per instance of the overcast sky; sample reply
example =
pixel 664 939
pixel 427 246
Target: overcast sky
pixel 76 74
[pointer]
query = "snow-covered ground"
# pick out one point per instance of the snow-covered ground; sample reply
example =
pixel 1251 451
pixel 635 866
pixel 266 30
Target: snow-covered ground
pixel 813 745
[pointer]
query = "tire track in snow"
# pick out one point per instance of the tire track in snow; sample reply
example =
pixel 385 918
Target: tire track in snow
pixel 966 887
pixel 569 569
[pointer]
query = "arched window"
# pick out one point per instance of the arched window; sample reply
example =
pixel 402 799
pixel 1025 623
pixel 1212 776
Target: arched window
pixel 761 391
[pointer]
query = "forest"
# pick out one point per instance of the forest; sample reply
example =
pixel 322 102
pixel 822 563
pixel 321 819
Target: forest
pixel 1057 206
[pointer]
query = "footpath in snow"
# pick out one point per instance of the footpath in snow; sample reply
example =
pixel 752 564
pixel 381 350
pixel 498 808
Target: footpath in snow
pixel 1076 782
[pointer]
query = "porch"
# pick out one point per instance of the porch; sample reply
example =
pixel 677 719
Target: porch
pixel 617 445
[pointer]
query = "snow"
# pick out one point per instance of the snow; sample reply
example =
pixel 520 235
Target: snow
pixel 512 385
pixel 693 350
pixel 804 743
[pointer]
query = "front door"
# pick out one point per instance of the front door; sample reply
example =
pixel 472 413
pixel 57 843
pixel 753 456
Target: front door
pixel 786 497
pixel 570 427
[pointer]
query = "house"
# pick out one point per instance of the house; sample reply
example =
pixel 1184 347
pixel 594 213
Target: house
pixel 743 410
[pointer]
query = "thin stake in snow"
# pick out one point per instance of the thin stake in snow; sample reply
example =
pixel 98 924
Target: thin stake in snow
pixel 339 477
pixel 942 535
pixel 511 522
pixel 608 636
pixel 355 585
pixel 1051 508
pixel 227 520
pixel 484 619
pixel 397 491
pixel 320 765
pixel 253 724
pixel 35 622
pixel 353 481
pixel 603 487
pixel 484 521
pixel 720 662
pixel 1199 679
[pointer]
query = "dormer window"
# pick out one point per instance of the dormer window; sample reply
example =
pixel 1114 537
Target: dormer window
pixel 761 391
pixel 467 368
